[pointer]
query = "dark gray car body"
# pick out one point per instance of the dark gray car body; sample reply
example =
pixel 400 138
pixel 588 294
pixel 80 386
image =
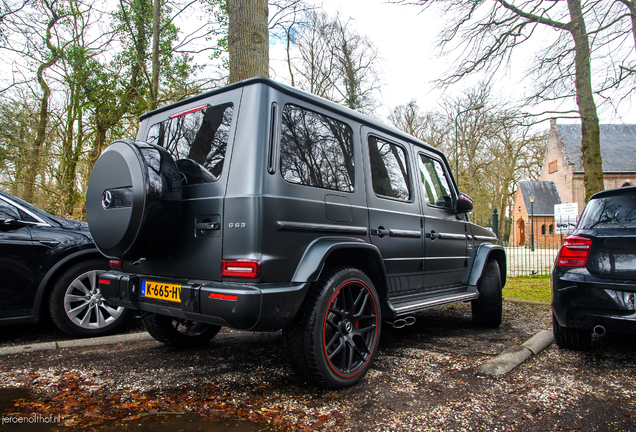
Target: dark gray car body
pixel 417 255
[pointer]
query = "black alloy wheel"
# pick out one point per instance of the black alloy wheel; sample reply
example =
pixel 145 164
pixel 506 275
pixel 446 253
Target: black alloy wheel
pixel 334 338
pixel 350 328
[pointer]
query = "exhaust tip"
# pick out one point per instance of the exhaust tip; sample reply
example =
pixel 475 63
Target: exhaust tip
pixel 599 330
pixel 403 322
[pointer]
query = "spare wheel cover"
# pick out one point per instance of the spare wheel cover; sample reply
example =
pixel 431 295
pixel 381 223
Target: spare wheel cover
pixel 121 198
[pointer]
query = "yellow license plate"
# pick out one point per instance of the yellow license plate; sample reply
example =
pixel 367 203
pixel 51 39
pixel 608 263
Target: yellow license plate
pixel 161 291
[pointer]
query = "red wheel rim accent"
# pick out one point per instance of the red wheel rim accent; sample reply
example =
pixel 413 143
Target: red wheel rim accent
pixel 350 329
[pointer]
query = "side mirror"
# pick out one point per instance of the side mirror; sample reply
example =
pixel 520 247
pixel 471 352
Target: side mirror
pixel 464 203
pixel 10 224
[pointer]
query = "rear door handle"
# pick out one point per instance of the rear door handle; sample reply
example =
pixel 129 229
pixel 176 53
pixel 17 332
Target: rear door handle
pixel 433 235
pixel 380 232
pixel 207 226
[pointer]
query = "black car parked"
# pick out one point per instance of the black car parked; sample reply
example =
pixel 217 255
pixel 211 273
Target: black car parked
pixel 50 265
pixel 260 207
pixel 594 277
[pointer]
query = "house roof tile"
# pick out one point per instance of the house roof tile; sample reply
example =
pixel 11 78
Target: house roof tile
pixel 545 195
pixel 618 146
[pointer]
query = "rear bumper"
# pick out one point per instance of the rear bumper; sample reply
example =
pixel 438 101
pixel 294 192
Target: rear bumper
pixel 582 301
pixel 241 306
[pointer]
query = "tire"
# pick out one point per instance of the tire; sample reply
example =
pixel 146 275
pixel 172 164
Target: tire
pixel 570 338
pixel 487 309
pixel 133 201
pixel 334 338
pixel 76 305
pixel 178 332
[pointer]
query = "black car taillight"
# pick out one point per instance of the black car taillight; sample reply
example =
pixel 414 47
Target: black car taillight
pixel 247 269
pixel 574 252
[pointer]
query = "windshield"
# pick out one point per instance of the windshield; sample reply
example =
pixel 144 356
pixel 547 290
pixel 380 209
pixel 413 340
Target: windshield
pixel 610 212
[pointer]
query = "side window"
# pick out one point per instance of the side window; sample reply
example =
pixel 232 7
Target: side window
pixel 27 217
pixel 435 185
pixel 7 211
pixel 199 135
pixel 389 170
pixel 316 150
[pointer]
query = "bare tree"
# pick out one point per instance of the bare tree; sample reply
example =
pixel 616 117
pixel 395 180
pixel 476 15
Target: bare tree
pixel 356 64
pixel 335 62
pixel 497 146
pixel 432 128
pixel 487 32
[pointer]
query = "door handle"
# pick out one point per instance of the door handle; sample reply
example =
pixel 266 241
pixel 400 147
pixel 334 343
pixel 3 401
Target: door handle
pixel 380 232
pixel 433 235
pixel 206 226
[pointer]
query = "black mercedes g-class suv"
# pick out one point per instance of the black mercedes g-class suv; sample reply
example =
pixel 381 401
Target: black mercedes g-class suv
pixel 260 207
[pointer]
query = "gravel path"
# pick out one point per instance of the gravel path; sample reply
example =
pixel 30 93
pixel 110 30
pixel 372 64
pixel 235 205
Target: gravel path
pixel 423 379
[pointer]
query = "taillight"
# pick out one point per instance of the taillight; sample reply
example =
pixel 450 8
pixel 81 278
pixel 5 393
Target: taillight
pixel 574 252
pixel 247 269
pixel 115 264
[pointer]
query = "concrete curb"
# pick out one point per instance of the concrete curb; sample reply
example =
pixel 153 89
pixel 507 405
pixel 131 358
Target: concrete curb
pixel 98 341
pixel 513 357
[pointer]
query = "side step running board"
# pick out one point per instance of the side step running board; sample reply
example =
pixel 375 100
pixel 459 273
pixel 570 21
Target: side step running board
pixel 431 302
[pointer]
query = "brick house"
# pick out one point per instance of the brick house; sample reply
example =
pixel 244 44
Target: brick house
pixel 561 179
pixel 545 195
pixel 562 163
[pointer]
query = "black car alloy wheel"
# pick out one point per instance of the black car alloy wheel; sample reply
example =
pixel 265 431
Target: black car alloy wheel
pixel 350 328
pixel 334 338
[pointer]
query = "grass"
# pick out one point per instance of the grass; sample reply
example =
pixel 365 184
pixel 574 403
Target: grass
pixel 528 288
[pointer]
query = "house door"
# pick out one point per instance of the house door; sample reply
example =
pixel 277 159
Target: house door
pixel 522 232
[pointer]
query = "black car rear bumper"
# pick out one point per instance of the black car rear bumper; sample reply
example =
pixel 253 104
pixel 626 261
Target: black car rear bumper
pixel 582 301
pixel 241 306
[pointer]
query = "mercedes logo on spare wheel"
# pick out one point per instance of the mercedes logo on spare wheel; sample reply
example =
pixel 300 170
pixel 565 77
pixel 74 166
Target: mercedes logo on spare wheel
pixel 107 199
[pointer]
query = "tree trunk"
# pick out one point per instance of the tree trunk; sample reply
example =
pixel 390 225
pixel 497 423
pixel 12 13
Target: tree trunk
pixel 248 39
pixel 156 26
pixel 34 160
pixel 590 129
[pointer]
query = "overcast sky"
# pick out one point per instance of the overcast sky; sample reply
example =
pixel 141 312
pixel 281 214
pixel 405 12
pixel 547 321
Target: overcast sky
pixel 405 39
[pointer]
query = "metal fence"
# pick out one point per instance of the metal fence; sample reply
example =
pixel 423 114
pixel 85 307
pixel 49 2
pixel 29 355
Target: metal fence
pixel 531 250
pixel 523 261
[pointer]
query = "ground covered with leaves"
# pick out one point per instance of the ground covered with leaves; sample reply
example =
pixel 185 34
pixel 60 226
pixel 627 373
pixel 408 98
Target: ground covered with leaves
pixel 423 379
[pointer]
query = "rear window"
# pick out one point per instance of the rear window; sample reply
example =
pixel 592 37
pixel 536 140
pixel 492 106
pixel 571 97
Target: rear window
pixel 200 135
pixel 316 150
pixel 609 212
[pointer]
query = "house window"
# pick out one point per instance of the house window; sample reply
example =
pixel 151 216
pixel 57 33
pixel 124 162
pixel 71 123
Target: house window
pixel 543 229
pixel 552 167
pixel 551 229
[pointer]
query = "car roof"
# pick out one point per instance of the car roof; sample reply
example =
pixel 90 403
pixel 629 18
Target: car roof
pixel 305 96
pixel 625 190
